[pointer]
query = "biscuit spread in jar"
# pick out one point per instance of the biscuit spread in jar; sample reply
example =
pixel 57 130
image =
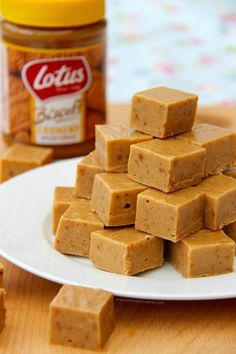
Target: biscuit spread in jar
pixel 53 73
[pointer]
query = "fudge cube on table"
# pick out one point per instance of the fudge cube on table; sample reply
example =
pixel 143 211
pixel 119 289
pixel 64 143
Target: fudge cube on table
pixel 81 317
pixel 220 201
pixel 203 254
pixel 230 230
pixel 114 198
pixel 125 250
pixel 220 145
pixel 163 112
pixel 113 145
pixel 75 227
pixel 231 172
pixel 21 158
pixel 170 216
pixel 167 165
pixel 63 197
pixel 86 170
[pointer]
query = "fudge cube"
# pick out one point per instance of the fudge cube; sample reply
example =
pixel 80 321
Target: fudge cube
pixel 230 230
pixel 86 170
pixel 21 158
pixel 75 227
pixel 203 254
pixel 81 317
pixel 114 198
pixel 231 172
pixel 220 201
pixel 170 216
pixel 220 145
pixel 1 275
pixel 125 250
pixel 63 197
pixel 167 165
pixel 113 145
pixel 163 112
pixel 2 309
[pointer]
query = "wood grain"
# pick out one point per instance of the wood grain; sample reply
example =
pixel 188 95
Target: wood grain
pixel 141 327
pixel 148 327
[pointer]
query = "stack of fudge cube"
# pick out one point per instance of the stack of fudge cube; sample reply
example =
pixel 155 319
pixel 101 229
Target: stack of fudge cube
pixel 152 188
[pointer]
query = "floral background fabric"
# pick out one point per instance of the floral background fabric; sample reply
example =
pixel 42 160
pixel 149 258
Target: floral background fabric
pixel 190 45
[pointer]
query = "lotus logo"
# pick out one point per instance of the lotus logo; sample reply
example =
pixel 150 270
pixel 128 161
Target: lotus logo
pixel 54 77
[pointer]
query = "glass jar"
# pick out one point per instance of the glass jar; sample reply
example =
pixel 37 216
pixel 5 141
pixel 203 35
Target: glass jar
pixel 53 65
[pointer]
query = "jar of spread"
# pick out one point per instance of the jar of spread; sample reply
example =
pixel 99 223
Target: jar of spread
pixel 53 73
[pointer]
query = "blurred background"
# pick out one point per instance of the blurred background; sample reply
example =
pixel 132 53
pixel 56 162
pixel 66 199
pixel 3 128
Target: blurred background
pixel 185 44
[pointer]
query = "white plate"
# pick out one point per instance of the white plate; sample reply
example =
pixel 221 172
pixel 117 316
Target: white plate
pixel 26 240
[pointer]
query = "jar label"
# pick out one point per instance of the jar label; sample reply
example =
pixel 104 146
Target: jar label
pixel 56 87
pixel 52 97
pixel 56 77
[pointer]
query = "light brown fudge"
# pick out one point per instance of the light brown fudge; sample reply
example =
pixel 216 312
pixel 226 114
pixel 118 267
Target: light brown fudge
pixel 113 145
pixel 220 201
pixel 2 309
pixel 21 158
pixel 75 227
pixel 203 254
pixel 1 275
pixel 170 216
pixel 231 172
pixel 63 197
pixel 81 317
pixel 86 170
pixel 230 230
pixel 220 145
pixel 163 112
pixel 167 165
pixel 125 250
pixel 114 198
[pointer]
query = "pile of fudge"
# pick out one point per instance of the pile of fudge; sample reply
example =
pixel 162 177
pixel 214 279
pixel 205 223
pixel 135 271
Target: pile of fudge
pixel 159 188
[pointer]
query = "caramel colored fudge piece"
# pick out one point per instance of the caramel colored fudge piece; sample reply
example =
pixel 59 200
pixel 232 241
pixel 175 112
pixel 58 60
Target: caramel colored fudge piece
pixel 163 112
pixel 114 198
pixel 81 317
pixel 2 309
pixel 86 170
pixel 203 254
pixel 63 197
pixel 230 230
pixel 75 227
pixel 220 201
pixel 170 216
pixel 167 165
pixel 20 158
pixel 231 172
pixel 113 145
pixel 1 275
pixel 125 250
pixel 220 145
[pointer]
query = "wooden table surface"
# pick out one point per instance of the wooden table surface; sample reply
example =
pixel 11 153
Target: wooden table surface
pixel 142 327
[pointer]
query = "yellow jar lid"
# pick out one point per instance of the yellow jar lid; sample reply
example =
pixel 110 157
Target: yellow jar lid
pixel 53 13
